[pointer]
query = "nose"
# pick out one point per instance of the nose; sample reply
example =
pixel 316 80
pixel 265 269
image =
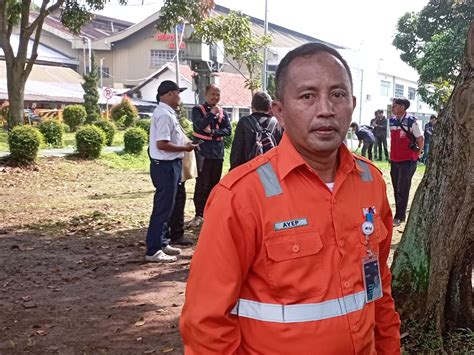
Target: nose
pixel 325 108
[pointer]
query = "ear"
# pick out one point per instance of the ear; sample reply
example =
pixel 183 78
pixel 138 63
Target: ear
pixel 354 103
pixel 277 109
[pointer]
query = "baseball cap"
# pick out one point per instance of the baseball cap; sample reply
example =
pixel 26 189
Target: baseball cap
pixel 167 86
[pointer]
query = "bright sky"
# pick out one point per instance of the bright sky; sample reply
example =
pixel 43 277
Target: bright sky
pixel 343 22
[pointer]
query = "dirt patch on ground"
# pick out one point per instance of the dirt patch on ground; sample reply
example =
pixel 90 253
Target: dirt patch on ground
pixel 72 275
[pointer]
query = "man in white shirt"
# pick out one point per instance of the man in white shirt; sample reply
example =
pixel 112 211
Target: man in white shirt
pixel 166 149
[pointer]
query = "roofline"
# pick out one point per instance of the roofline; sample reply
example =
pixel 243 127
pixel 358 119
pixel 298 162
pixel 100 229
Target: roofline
pixel 278 27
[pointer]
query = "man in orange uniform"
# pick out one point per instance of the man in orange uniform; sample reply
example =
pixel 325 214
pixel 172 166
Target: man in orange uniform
pixel 295 242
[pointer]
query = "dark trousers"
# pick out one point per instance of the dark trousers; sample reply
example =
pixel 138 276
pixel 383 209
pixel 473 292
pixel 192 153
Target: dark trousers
pixel 208 177
pixel 379 143
pixel 401 174
pixel 426 149
pixel 177 217
pixel 367 147
pixel 165 176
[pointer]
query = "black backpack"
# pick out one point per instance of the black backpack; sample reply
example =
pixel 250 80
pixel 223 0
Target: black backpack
pixel 264 138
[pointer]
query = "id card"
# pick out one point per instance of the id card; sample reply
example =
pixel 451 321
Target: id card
pixel 372 281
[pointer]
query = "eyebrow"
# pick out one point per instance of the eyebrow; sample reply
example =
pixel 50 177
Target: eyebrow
pixel 314 88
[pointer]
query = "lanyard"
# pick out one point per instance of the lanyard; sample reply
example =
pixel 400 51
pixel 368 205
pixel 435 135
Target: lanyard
pixel 368 229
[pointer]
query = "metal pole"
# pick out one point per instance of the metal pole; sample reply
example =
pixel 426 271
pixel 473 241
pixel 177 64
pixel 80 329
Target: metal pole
pixel 176 46
pixel 101 77
pixel 361 88
pixel 265 31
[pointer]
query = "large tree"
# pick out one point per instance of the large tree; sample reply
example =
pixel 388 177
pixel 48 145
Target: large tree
pixel 432 42
pixel 74 15
pixel 432 267
pixel 91 94
pixel 233 30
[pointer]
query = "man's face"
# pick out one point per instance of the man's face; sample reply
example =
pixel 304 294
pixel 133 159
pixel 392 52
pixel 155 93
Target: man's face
pixel 174 99
pixel 317 104
pixel 398 109
pixel 213 96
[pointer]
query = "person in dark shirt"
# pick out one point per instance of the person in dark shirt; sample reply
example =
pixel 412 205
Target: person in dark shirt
pixel 428 133
pixel 380 124
pixel 245 132
pixel 366 137
pixel 211 124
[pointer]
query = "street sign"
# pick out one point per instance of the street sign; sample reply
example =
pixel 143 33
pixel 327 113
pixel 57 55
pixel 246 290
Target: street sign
pixel 108 93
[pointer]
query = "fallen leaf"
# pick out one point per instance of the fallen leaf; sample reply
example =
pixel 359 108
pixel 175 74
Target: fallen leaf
pixel 26 298
pixel 139 339
pixel 151 351
pixel 41 332
pixel 162 312
pixel 167 350
pixel 140 322
pixel 403 335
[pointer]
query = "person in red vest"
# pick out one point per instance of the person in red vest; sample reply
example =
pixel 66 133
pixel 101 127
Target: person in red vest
pixel 406 142
pixel 211 124
pixel 292 255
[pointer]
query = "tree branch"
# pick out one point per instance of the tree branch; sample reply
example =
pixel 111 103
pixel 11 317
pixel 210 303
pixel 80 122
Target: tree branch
pixel 25 15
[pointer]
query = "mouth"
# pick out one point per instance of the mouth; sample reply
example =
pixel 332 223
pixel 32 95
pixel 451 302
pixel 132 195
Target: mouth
pixel 325 131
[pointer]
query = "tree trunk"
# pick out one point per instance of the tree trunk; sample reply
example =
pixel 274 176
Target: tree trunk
pixel 16 91
pixel 432 267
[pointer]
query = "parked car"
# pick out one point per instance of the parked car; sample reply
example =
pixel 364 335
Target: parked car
pixel 145 114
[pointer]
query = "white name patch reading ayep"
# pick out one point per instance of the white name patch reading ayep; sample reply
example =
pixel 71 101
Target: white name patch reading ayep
pixel 294 223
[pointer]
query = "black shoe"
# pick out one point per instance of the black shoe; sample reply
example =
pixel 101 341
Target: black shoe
pixel 182 241
pixel 396 222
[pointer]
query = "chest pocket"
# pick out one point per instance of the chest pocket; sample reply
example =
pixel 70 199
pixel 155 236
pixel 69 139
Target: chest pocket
pixel 379 235
pixel 294 264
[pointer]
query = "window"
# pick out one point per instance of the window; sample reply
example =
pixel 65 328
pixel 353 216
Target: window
pixel 243 112
pixel 411 93
pixel 385 88
pixel 105 72
pixel 228 110
pixel 399 90
pixel 158 57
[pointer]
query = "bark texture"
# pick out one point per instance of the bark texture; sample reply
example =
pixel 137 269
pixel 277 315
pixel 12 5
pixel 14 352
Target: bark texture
pixel 432 267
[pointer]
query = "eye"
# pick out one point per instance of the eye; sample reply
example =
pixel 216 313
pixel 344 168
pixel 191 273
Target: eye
pixel 307 96
pixel 339 94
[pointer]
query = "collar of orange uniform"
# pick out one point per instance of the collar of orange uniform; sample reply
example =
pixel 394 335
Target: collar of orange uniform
pixel 289 158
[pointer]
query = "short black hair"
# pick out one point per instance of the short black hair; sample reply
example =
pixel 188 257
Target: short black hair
pixel 211 86
pixel 261 101
pixel 354 125
pixel 305 50
pixel 433 117
pixel 400 101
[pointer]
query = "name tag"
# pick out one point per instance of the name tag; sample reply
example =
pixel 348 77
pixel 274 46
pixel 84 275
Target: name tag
pixel 294 223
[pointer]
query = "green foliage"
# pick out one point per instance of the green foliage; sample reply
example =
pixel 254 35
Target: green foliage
pixel 144 124
pixel 89 141
pixel 24 143
pixel 134 139
pixel 109 130
pixel 52 131
pixel 228 139
pixel 175 11
pixel 91 94
pixel 125 161
pixel 239 42
pixel 124 113
pixel 74 116
pixel 271 88
pixel 432 42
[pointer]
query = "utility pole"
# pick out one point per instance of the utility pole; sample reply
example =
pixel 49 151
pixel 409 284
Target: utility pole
pixel 101 73
pixel 265 31
pixel 176 46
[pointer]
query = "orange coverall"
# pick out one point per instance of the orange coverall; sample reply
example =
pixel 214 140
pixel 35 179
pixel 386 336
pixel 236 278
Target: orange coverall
pixel 278 266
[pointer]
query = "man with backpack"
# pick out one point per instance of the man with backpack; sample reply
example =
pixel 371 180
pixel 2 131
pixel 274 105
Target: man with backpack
pixel 255 134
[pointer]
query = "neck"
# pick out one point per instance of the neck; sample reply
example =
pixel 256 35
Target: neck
pixel 401 115
pixel 325 165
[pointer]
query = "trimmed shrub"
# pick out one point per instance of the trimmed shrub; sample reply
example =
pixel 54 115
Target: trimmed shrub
pixel 89 141
pixel 134 139
pixel 74 116
pixel 127 109
pixel 109 130
pixel 144 124
pixel 24 143
pixel 228 139
pixel 66 128
pixel 52 131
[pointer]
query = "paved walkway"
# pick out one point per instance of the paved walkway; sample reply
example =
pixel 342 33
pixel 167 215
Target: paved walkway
pixel 61 152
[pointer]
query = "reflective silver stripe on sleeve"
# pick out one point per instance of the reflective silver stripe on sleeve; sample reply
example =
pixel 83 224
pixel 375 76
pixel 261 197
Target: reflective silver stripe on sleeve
pixel 295 313
pixel 366 175
pixel 269 180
